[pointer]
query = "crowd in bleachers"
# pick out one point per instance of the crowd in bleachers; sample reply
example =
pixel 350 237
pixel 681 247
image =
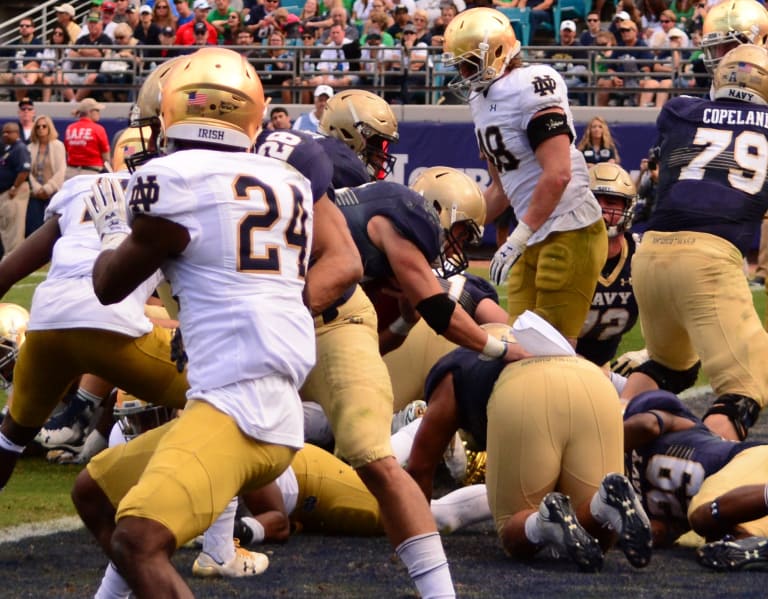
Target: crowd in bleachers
pixel 625 54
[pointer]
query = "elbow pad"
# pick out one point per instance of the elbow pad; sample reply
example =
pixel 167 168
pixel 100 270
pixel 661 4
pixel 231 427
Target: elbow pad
pixel 437 311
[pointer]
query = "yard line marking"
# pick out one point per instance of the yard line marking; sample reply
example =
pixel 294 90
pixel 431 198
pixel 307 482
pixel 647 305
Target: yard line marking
pixel 14 534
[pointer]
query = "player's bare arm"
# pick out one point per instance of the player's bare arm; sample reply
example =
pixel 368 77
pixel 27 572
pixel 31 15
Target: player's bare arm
pixel 152 241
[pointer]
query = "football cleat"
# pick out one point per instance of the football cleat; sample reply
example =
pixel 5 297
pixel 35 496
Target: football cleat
pixel 560 526
pixel 66 429
pixel 628 519
pixel 408 414
pixel 731 555
pixel 243 563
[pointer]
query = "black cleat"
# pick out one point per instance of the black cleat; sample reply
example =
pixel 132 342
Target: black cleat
pixel 560 525
pixel 635 537
pixel 750 553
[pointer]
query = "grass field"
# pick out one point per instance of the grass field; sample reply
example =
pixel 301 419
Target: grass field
pixel 39 491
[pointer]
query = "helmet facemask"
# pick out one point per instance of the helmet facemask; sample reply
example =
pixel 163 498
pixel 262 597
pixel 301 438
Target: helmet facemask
pixel 9 351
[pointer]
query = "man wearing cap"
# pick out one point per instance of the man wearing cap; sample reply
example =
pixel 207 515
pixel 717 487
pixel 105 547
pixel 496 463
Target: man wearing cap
pixel 15 164
pixel 108 23
pixel 88 46
pixel 65 14
pixel 309 121
pixel 167 39
pixel 26 119
pixel 185 35
pixel 402 18
pixel 568 61
pixel 86 141
pixel 618 19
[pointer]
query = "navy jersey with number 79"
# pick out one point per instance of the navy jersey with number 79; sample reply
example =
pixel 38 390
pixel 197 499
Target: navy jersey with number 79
pixel 713 162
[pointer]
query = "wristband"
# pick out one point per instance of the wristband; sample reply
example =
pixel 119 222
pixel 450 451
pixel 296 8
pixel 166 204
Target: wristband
pixel 401 326
pixel 111 241
pixel 494 348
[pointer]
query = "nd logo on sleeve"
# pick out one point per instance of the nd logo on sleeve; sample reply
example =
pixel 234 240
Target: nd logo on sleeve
pixel 146 192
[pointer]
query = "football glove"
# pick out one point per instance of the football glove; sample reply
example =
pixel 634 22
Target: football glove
pixel 106 205
pixel 509 252
pixel 627 362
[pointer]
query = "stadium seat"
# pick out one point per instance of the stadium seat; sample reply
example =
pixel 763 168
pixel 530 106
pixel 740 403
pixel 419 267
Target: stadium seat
pixel 520 19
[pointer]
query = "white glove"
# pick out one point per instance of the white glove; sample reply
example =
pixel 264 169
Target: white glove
pixel 107 209
pixel 509 252
pixel 628 361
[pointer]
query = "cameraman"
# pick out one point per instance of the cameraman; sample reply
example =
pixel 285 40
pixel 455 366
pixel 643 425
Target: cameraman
pixel 646 182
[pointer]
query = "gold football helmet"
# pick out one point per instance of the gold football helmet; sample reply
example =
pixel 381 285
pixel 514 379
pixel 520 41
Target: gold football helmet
pixel 366 123
pixel 742 74
pixel 145 115
pixel 130 142
pixel 135 416
pixel 459 201
pixel 13 329
pixel 729 24
pixel 479 42
pixel 212 97
pixel 608 179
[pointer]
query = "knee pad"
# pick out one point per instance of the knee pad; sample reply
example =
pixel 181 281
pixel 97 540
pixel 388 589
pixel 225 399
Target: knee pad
pixel 674 381
pixel 742 411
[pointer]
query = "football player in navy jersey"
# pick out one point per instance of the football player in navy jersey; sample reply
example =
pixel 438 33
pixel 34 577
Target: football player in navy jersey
pixel 689 478
pixel 614 309
pixel 687 272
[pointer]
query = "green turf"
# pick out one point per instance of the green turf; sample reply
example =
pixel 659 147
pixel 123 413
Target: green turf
pixel 39 491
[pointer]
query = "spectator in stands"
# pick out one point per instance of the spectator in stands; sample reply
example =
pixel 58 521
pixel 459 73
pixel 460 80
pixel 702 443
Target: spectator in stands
pixel 448 10
pixel 202 37
pixel 132 14
pixel 185 35
pixel 361 10
pixel 597 143
pixel 651 11
pixel 184 11
pixel 409 4
pixel 121 67
pixel 696 23
pixel 410 60
pixel 108 23
pixel 309 121
pixel 570 62
pixel 55 63
pixel 167 39
pixel 86 141
pixel 379 16
pixel 25 67
pixel 371 59
pixel 334 66
pixel 634 58
pixel 312 19
pixel 219 18
pixel 229 29
pixel 402 18
pixel 603 67
pixel 683 11
pixel 89 47
pixel 121 11
pixel 646 183
pixel 26 121
pixel 162 15
pixel 278 69
pixel 261 20
pixel 279 119
pixel 48 166
pixel 626 11
pixel 14 189
pixel 377 23
pixel 668 68
pixel 589 35
pixel 245 38
pixel 147 32
pixel 287 23
pixel 421 22
pixel 660 37
pixel 65 15
pixel 339 17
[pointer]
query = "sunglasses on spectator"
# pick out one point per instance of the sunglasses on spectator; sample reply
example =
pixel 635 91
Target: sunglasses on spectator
pixel 163 6
pixel 625 29
pixel 593 20
pixel 665 20
pixel 26 108
pixel 119 37
pixel 41 126
pixel 26 25
pixel 57 32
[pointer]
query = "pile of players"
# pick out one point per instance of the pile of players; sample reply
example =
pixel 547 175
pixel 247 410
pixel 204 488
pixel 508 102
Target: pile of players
pixel 258 242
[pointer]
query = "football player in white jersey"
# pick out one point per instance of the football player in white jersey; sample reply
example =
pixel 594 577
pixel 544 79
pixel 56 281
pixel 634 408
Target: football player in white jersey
pixel 231 231
pixel 70 332
pixel 525 131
